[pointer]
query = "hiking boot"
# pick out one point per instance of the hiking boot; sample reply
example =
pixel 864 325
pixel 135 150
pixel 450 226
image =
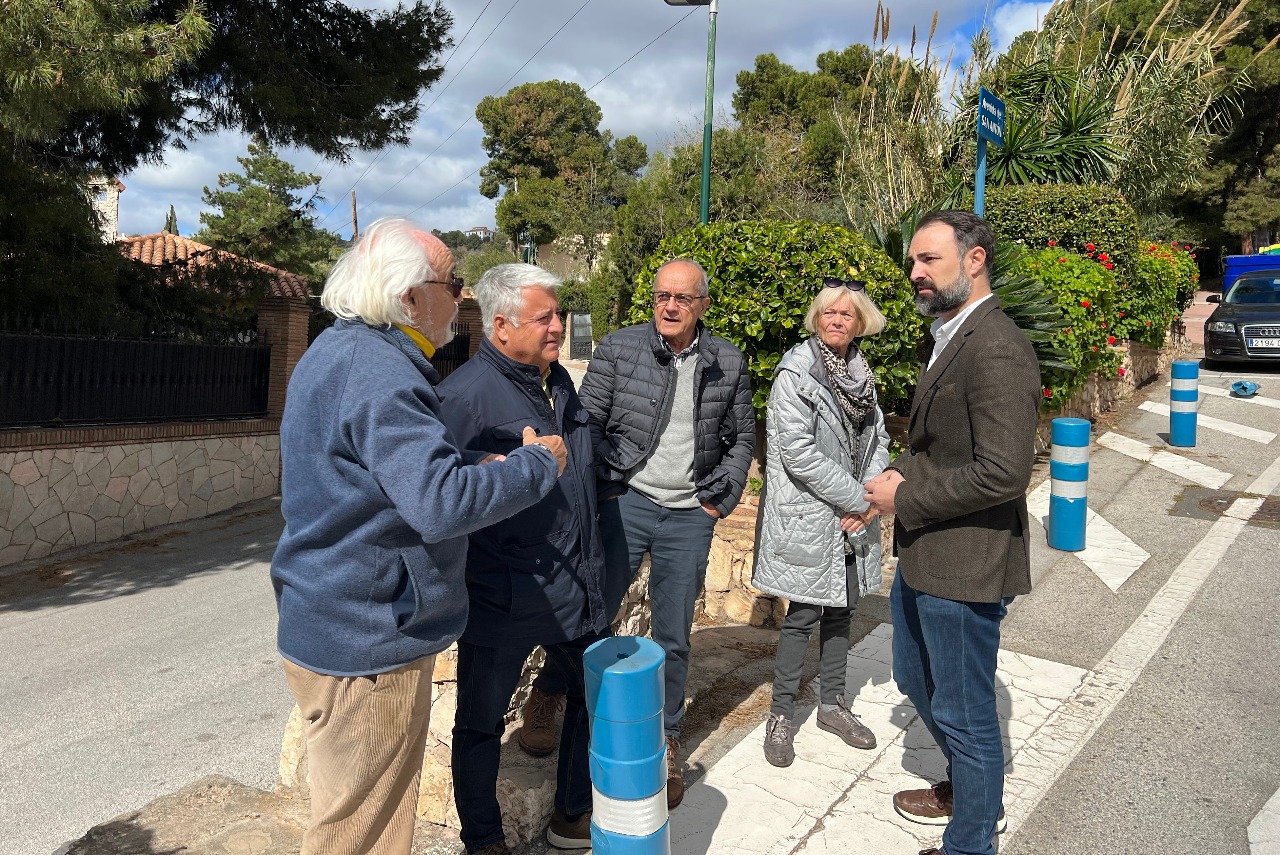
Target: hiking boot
pixel 675 778
pixel 846 725
pixel 537 733
pixel 563 834
pixel 778 736
pixel 933 806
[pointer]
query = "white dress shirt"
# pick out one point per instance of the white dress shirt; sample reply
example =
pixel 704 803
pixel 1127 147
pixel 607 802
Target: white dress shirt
pixel 943 330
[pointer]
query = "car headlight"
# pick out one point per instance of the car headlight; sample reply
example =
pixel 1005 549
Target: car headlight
pixel 1222 326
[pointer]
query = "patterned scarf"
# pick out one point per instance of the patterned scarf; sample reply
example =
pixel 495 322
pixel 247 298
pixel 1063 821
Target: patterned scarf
pixel 852 382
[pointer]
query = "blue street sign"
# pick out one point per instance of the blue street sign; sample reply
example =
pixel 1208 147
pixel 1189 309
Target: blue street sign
pixel 990 117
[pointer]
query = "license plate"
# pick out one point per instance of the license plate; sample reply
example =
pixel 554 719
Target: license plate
pixel 1264 342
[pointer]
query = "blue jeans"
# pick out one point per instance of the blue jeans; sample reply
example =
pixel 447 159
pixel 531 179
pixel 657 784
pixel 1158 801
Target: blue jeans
pixel 944 660
pixel 487 678
pixel 678 541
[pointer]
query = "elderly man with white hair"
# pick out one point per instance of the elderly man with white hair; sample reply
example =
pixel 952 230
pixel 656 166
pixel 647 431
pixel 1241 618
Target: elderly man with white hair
pixel 378 501
pixel 536 579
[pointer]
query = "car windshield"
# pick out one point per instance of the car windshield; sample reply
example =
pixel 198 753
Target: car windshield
pixel 1255 291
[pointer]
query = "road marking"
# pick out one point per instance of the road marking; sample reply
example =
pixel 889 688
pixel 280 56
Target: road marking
pixel 1069 728
pixel 1264 829
pixel 1238 430
pixel 836 799
pixel 1108 551
pixel 1259 400
pixel 1205 476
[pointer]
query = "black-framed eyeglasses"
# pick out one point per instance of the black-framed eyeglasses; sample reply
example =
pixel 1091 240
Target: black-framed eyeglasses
pixel 851 284
pixel 684 301
pixel 454 285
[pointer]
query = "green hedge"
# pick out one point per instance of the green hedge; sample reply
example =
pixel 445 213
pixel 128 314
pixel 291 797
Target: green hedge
pixel 1081 218
pixel 763 276
pixel 1086 292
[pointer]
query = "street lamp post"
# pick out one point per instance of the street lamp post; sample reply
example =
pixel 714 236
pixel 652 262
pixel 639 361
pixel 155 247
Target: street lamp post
pixel 710 98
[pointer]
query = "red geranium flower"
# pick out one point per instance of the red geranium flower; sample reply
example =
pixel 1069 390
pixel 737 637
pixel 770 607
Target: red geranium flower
pixel 1090 247
pixel 1108 265
pixel 1120 371
pixel 1095 347
pixel 1111 339
pixel 1048 393
pixel 1102 256
pixel 1053 243
pixel 1084 303
pixel 1104 325
pixel 1120 314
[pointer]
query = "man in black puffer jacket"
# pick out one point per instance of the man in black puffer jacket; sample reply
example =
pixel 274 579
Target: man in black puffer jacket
pixel 673 427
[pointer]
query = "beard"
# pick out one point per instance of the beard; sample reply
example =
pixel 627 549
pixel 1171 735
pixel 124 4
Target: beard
pixel 439 334
pixel 945 299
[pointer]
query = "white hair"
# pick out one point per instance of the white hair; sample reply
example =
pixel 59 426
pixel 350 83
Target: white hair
pixel 500 291
pixel 370 278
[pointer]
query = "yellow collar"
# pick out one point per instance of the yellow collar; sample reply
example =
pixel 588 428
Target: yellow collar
pixel 419 339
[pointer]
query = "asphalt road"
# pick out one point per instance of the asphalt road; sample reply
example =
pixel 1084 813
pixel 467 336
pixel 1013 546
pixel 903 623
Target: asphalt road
pixel 132 671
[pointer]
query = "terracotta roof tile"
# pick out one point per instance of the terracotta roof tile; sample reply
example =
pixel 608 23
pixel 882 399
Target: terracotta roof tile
pixel 165 248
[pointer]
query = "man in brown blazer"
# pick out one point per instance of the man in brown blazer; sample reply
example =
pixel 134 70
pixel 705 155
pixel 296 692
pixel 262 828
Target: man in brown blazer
pixel 960 529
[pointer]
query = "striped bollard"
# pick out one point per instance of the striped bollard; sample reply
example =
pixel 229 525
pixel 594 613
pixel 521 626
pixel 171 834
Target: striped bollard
pixel 628 751
pixel 1184 400
pixel 1069 471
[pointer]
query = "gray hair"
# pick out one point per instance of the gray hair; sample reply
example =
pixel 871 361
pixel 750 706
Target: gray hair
pixel 391 257
pixel 703 287
pixel 500 291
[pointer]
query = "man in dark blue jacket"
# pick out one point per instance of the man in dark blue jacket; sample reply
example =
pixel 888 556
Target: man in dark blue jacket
pixel 535 579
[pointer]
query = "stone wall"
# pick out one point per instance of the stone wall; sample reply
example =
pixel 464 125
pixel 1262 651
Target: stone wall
pixel 56 498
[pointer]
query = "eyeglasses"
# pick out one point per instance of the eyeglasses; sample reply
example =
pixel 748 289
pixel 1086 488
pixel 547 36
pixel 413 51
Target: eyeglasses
pixel 851 284
pixel 684 301
pixel 454 285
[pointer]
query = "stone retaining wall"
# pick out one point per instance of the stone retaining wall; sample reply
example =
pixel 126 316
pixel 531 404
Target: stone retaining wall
pixel 56 498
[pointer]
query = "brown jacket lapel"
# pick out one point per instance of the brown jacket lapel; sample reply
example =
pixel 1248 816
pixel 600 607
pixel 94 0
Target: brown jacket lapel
pixel 929 376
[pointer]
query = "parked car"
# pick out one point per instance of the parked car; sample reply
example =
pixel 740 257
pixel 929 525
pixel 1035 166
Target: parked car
pixel 1246 325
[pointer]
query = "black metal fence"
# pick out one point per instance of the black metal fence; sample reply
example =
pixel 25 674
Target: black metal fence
pixel 62 380
pixel 453 354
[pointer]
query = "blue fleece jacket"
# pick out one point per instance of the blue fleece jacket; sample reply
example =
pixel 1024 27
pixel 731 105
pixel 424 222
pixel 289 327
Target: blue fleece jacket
pixel 369 573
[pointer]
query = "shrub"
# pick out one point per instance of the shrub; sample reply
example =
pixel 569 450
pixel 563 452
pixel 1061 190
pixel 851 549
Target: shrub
pixel 1148 303
pixel 763 276
pixel 1086 293
pixel 1081 218
pixel 1188 271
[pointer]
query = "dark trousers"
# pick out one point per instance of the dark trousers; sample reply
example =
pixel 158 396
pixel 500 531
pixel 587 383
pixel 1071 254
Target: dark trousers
pixel 833 635
pixel 487 678
pixel 944 660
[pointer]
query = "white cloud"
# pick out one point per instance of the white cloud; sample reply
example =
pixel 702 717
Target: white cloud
pixel 658 95
pixel 1012 19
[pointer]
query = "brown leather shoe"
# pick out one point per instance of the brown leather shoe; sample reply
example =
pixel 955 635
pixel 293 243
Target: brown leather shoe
pixel 537 733
pixel 933 806
pixel 675 778
pixel 927 807
pixel 563 834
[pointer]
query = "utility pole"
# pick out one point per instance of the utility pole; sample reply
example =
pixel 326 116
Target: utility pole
pixel 355 224
pixel 705 207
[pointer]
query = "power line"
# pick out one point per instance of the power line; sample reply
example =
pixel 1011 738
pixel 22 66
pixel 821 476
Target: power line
pixel 471 118
pixel 588 90
pixel 457 47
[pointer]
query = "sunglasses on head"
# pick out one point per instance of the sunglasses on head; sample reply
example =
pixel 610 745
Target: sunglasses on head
pixel 851 284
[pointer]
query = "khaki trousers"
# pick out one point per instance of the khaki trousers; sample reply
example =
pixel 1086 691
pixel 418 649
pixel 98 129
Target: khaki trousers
pixel 365 741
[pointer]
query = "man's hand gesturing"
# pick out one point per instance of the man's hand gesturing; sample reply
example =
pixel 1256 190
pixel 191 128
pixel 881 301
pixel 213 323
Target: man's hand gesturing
pixel 552 443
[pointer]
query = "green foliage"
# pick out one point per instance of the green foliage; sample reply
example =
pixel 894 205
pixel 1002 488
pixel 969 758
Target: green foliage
pixel 476 264
pixel 1184 262
pixel 171 221
pixel 319 74
pixel 53 261
pixel 763 277
pixel 1085 291
pixel 1082 219
pixel 262 216
pixel 1150 302
pixel 215 302
pixel 456 240
pixel 562 175
pixel 61 59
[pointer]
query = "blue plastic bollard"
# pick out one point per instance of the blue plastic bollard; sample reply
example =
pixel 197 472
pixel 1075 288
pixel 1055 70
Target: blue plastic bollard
pixel 1069 471
pixel 625 678
pixel 1184 400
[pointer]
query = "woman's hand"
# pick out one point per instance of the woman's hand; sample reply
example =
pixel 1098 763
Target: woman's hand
pixel 852 522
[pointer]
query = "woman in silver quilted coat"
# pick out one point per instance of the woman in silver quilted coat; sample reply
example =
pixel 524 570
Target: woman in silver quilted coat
pixel 819 544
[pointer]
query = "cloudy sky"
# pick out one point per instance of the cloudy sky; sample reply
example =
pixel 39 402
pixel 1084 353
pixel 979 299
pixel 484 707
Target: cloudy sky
pixel 643 61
